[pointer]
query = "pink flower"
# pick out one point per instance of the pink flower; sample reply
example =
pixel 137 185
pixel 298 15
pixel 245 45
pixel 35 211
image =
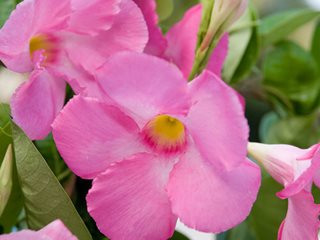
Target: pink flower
pixel 296 169
pixel 159 148
pixel 179 44
pixel 58 40
pixel 54 231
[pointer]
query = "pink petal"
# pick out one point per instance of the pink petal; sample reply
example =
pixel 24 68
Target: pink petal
pixel 129 200
pixel 37 16
pixel 216 122
pixel 219 55
pixel 145 85
pixel 301 222
pixel 157 42
pixel 208 199
pixel 288 165
pixel 54 231
pixel 90 135
pixel 36 103
pixel 128 33
pixel 84 22
pixel 57 230
pixel 182 40
pixel 304 177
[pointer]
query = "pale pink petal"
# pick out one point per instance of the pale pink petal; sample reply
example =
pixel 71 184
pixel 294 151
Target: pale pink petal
pixel 36 103
pixel 157 42
pixel 57 231
pixel 31 17
pixel 302 220
pixel 212 200
pixel 307 171
pixel 90 135
pixel 53 231
pixel 288 165
pixel 145 85
pixel 316 178
pixel 83 21
pixel 129 200
pixel 216 121
pixel 128 33
pixel 182 40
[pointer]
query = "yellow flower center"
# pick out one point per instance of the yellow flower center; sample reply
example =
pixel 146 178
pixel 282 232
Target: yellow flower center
pixel 165 133
pixel 43 49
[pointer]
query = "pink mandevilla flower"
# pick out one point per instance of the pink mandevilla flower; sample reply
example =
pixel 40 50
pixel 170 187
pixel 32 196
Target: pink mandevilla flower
pixel 159 148
pixel 57 40
pixel 179 44
pixel 54 231
pixel 296 169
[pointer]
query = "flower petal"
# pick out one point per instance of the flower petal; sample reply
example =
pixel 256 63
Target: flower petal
pixel 54 231
pixel 157 42
pixel 36 103
pixel 82 20
pixel 205 198
pixel 129 200
pixel 216 122
pixel 57 230
pixel 145 85
pixel 182 40
pixel 90 135
pixel 37 16
pixel 302 220
pixel 128 33
pixel 305 172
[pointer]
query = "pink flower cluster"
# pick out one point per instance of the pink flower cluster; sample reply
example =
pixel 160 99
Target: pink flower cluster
pixel 156 147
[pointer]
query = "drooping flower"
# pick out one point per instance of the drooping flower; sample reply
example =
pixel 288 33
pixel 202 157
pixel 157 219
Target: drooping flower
pixel 53 231
pixel 58 40
pixel 296 169
pixel 159 148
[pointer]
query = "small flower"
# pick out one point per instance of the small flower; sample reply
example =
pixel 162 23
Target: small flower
pixel 53 231
pixel 63 40
pixel 296 169
pixel 158 148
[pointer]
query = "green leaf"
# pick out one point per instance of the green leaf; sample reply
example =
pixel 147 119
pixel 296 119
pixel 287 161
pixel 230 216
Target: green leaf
pixel 14 206
pixel 178 236
pixel 240 232
pixel 6 171
pixel 164 9
pixel 300 131
pixel 315 47
pixel 244 45
pixel 6 7
pixel 44 198
pixel 291 78
pixel 268 211
pixel 278 26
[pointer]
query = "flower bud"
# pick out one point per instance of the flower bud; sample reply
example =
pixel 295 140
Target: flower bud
pixel 9 82
pixel 224 14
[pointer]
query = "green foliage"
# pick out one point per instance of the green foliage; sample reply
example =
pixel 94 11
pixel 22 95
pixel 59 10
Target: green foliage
pixel 300 131
pixel 278 26
pixel 291 78
pixel 241 231
pixel 244 44
pixel 268 211
pixel 315 48
pixel 164 9
pixel 6 171
pixel 178 236
pixel 6 7
pixel 44 198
